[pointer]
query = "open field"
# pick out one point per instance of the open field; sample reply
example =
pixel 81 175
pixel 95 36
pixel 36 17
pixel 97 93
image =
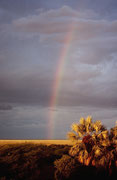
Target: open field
pixel 45 142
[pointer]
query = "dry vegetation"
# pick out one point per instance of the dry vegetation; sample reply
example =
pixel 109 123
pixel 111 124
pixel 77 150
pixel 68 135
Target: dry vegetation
pixel 44 142
pixel 92 153
pixel 29 161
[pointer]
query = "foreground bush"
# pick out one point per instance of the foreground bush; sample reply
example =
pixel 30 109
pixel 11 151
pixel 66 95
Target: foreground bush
pixel 65 167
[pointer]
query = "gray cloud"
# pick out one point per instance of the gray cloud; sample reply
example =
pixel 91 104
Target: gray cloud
pixel 95 39
pixel 5 107
pixel 61 20
pixel 31 122
pixel 32 44
pixel 25 88
pixel 90 59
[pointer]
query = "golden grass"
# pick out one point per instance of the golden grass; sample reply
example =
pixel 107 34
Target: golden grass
pixel 46 142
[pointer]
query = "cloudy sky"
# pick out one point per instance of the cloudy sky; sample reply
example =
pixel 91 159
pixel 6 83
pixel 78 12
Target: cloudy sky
pixel 33 36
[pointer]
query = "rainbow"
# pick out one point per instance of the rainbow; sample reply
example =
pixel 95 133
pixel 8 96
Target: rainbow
pixel 58 77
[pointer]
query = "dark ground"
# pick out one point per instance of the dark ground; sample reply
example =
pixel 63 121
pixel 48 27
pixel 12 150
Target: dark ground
pixel 29 161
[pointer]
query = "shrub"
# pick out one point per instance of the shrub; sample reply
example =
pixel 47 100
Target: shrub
pixel 29 161
pixel 65 167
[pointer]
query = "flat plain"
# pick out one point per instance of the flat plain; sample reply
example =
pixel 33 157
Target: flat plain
pixel 45 142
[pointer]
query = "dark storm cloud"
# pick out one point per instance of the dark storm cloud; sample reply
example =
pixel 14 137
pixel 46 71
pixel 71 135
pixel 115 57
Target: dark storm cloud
pixel 13 9
pixel 31 122
pixel 31 46
pixel 32 42
pixel 25 89
pixel 5 107
pixel 10 9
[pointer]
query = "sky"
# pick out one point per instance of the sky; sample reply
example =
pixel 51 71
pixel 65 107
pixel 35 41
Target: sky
pixel 58 62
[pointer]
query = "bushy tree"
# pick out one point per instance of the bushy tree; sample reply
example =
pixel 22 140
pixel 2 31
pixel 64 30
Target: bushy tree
pixel 85 127
pixel 94 146
pixel 98 146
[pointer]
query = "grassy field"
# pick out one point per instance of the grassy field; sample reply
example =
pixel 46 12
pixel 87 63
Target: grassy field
pixel 45 142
